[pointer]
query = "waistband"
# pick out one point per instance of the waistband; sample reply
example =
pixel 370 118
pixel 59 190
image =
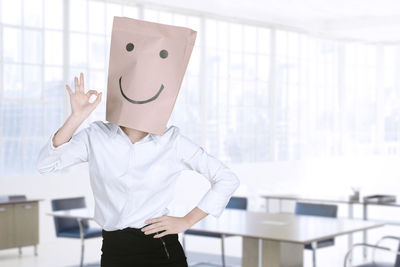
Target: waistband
pixel 127 229
pixel 139 234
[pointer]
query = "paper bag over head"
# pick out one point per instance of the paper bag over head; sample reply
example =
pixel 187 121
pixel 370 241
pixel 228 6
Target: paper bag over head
pixel 147 64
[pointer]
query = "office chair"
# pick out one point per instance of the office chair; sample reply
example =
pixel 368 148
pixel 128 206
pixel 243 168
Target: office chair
pixel 317 210
pixel 68 227
pixel 234 203
pixel 376 247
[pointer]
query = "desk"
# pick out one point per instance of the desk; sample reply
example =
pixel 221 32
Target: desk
pixel 268 238
pixel 78 214
pixel 338 200
pixel 350 204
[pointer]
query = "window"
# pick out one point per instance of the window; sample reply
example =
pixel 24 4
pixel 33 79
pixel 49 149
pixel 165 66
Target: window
pixel 389 104
pixel 306 103
pixel 31 76
pixel 251 93
pixel 237 88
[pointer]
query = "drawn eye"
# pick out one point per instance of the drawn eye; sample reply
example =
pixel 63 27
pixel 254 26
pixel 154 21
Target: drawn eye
pixel 163 53
pixel 129 47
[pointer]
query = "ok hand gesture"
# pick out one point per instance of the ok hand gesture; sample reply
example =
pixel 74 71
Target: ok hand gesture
pixel 80 105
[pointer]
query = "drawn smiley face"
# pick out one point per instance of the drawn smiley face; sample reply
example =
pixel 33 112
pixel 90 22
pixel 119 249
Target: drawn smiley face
pixel 163 54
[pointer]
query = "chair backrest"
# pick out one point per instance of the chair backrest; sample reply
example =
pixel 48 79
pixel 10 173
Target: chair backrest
pixel 322 210
pixel 67 224
pixel 16 197
pixel 397 263
pixel 316 209
pixel 239 203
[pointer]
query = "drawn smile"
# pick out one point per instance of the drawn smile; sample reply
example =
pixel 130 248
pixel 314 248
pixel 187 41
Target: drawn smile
pixel 140 101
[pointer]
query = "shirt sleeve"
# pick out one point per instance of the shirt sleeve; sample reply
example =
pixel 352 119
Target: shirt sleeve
pixel 74 151
pixel 223 181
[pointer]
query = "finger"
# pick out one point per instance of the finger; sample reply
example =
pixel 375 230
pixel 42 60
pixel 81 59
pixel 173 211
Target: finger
pixel 98 99
pixel 162 234
pixel 68 89
pixel 76 84
pixel 91 92
pixel 154 220
pixel 82 82
pixel 155 230
pixel 152 226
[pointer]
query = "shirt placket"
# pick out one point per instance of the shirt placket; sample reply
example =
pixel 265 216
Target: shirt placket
pixel 132 156
pixel 132 159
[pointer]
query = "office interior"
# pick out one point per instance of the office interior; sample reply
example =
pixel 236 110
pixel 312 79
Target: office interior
pixel 301 99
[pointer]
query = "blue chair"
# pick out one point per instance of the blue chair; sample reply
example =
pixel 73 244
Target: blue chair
pixel 376 247
pixel 73 228
pixel 317 210
pixel 234 203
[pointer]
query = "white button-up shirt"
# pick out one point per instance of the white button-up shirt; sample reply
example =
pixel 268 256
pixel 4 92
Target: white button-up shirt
pixel 133 182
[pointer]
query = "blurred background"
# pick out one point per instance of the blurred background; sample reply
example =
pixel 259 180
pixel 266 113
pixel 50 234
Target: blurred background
pixel 297 97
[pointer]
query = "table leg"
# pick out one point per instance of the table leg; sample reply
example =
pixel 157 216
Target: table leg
pixel 259 252
pixel 314 254
pixel 365 235
pixel 82 239
pixel 350 236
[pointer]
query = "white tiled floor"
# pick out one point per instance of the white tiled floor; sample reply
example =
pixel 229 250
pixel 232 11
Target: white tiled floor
pixel 66 252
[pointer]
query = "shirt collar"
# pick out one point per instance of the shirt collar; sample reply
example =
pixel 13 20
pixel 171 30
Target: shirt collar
pixel 115 129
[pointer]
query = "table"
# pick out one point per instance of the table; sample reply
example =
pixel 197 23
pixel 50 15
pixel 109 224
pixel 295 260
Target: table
pixel 268 238
pixel 78 214
pixel 337 200
pixel 320 200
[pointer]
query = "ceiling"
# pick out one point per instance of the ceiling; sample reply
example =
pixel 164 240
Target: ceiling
pixel 365 20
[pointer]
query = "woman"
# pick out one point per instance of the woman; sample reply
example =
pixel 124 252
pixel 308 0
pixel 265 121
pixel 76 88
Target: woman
pixel 132 175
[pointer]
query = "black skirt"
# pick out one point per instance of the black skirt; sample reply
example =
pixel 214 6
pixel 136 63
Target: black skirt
pixel 130 247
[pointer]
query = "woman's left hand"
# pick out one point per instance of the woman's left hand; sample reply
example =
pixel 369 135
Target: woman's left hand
pixel 171 225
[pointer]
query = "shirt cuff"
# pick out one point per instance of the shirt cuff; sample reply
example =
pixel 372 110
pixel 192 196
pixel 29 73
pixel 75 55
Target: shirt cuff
pixel 214 203
pixel 52 147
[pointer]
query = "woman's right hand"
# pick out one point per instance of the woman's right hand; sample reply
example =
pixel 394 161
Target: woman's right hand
pixel 80 105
